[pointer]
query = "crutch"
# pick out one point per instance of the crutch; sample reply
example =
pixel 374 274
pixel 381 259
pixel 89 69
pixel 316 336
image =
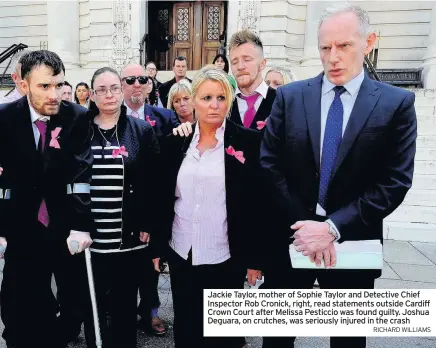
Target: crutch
pixel 75 246
pixel 2 249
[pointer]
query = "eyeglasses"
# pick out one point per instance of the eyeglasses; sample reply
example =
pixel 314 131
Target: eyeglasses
pixel 103 91
pixel 151 69
pixel 130 80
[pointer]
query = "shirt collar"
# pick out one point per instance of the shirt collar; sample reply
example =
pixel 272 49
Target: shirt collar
pixel 129 110
pixel 262 89
pixel 34 116
pixel 352 86
pixel 219 134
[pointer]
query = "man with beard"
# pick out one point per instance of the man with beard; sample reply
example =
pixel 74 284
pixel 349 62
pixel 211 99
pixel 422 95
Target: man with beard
pixel 17 92
pixel 44 199
pixel 135 84
pixel 254 98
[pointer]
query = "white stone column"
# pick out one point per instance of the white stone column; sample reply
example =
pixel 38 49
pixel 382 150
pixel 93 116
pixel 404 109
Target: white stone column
pixel 63 23
pixel 429 60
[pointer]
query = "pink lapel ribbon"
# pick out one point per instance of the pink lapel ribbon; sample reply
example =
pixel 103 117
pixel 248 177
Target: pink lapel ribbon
pixel 260 124
pixel 239 155
pixel 152 122
pixel 121 151
pixel 54 138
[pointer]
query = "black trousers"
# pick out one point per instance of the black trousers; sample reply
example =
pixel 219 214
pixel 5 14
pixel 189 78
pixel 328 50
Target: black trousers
pixel 289 278
pixel 187 285
pixel 28 309
pixel 149 280
pixel 116 279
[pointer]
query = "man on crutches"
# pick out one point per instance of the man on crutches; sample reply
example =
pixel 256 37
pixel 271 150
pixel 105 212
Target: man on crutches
pixel 44 197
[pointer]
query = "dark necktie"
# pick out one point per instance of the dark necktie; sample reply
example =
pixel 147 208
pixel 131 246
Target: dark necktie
pixel 251 111
pixel 42 213
pixel 332 140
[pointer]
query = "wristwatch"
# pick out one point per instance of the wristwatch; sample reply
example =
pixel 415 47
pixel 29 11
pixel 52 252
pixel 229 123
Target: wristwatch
pixel 332 231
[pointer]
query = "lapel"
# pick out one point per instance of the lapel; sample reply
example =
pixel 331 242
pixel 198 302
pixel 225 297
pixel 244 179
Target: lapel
pixel 24 130
pixel 363 107
pixel 55 121
pixel 264 108
pixel 312 106
pixel 235 116
pixel 231 164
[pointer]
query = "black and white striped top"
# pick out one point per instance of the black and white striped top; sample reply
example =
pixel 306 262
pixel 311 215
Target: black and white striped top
pixel 107 192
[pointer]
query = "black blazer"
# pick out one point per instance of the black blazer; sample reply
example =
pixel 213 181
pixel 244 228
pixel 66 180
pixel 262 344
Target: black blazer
pixel 164 89
pixel 141 177
pixel 165 119
pixel 261 114
pixel 373 169
pixel 243 191
pixel 30 176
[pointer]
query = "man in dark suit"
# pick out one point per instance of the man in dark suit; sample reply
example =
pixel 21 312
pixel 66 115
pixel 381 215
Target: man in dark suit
pixel 162 120
pixel 44 199
pixel 254 98
pixel 339 151
pixel 180 66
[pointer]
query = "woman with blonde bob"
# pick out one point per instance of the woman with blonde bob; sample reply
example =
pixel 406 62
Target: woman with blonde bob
pixel 214 189
pixel 180 101
pixel 276 77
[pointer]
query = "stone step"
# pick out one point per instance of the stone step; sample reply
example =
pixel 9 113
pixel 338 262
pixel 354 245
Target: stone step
pixel 426 141
pixel 425 167
pixel 425 109
pixel 423 93
pixel 424 182
pixel 413 214
pixel 421 198
pixel 414 232
pixel 425 154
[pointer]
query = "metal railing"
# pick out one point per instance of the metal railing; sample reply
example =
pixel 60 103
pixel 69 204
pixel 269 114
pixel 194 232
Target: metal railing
pixel 9 53
pixel 371 68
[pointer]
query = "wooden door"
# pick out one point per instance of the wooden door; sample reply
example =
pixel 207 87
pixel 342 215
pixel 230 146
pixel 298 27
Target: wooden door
pixel 183 31
pixel 213 27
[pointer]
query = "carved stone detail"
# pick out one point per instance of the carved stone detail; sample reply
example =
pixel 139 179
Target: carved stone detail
pixel 249 15
pixel 121 42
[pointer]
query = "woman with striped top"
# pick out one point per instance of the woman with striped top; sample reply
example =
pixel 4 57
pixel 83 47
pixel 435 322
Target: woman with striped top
pixel 123 204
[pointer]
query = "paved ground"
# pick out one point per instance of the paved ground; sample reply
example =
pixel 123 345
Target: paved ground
pixel 407 265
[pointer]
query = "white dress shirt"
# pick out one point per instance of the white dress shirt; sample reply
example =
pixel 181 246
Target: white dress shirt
pixel 200 220
pixel 34 116
pixel 348 98
pixel 262 89
pixel 140 111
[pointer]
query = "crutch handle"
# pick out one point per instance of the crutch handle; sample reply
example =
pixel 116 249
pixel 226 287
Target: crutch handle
pixel 2 249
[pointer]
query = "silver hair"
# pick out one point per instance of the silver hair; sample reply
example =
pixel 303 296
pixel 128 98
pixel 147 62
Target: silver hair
pixel 16 59
pixel 361 14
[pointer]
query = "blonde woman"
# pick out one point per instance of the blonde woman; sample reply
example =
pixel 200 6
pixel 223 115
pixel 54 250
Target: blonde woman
pixel 214 190
pixel 180 101
pixel 276 77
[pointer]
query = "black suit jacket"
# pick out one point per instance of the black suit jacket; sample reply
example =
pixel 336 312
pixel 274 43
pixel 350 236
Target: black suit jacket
pixel 165 119
pixel 243 193
pixel 261 114
pixel 31 177
pixel 164 89
pixel 373 169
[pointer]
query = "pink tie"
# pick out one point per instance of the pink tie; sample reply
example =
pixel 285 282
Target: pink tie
pixel 42 213
pixel 134 114
pixel 251 111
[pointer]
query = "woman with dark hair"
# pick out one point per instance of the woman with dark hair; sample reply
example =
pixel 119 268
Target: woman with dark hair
pixel 222 63
pixel 81 94
pixel 126 155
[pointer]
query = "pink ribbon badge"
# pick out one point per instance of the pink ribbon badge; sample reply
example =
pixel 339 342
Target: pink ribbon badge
pixel 121 151
pixel 260 124
pixel 239 155
pixel 152 122
pixel 54 138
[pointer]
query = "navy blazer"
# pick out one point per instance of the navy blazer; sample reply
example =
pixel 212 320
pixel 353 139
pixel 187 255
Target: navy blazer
pixel 373 169
pixel 165 119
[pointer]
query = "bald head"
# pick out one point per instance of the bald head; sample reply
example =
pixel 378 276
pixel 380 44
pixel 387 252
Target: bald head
pixel 133 70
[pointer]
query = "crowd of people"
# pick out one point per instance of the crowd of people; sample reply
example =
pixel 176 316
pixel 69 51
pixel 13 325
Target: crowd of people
pixel 218 175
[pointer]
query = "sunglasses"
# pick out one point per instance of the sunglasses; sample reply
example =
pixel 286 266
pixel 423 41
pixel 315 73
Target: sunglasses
pixel 130 80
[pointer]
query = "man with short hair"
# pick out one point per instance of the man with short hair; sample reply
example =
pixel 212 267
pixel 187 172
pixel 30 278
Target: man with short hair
pixel 17 92
pixel 135 81
pixel 339 151
pixel 67 92
pixel 44 199
pixel 180 66
pixel 254 98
